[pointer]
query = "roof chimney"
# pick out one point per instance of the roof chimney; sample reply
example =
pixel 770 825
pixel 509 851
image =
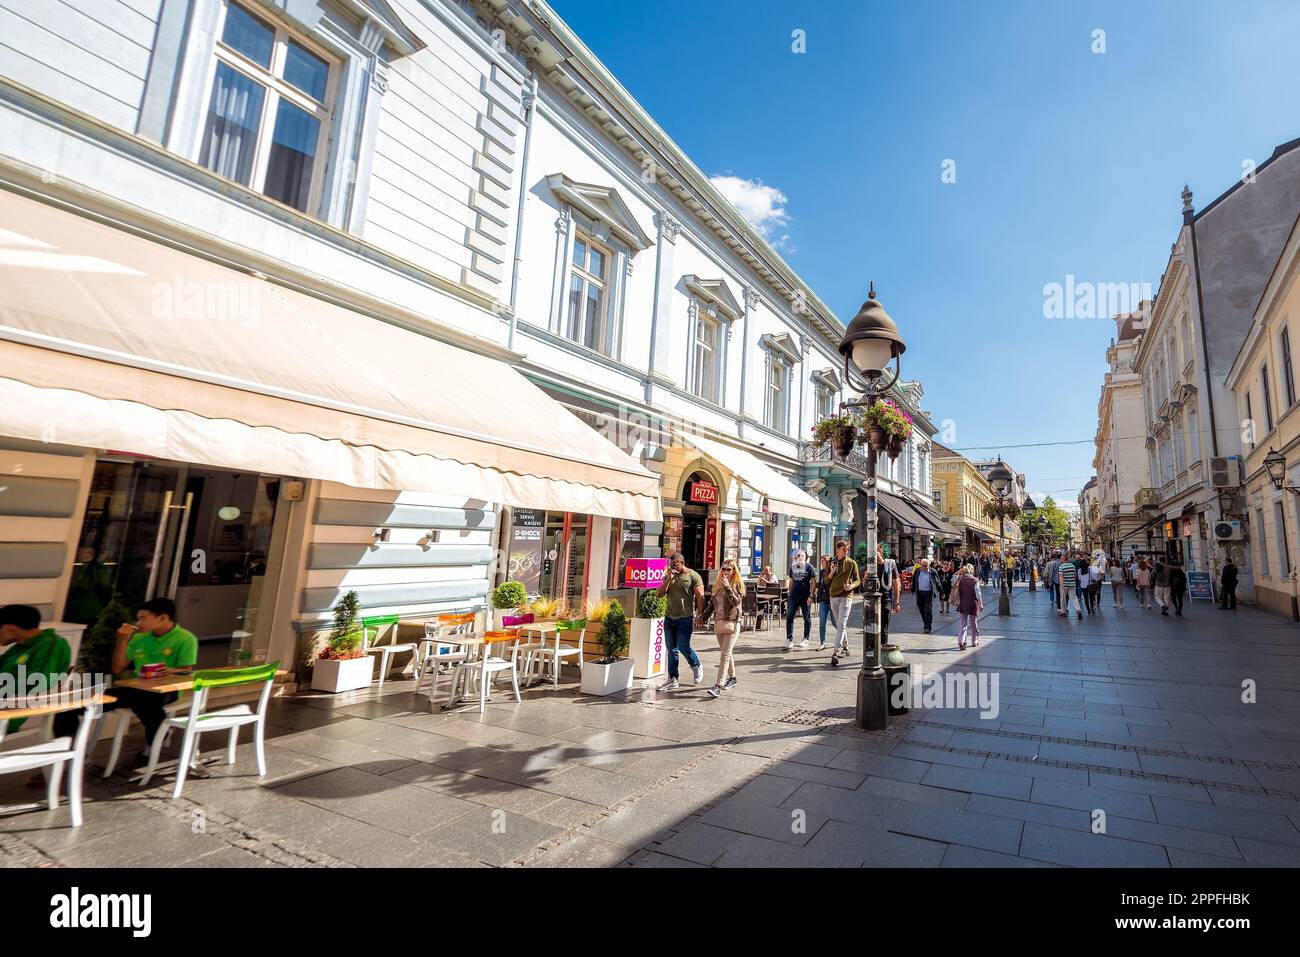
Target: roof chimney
pixel 1187 205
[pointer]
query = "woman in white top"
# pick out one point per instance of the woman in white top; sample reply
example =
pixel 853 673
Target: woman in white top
pixel 1096 576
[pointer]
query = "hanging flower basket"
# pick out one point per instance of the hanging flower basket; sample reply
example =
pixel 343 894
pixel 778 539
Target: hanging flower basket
pixel 838 431
pixel 879 438
pixel 894 447
pixel 886 416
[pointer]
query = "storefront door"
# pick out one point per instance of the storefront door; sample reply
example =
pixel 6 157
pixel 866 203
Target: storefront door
pixel 201 537
pixel 565 551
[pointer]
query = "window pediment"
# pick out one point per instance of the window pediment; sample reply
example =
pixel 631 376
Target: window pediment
pixel 603 206
pixel 714 293
pixel 782 344
pixel 829 378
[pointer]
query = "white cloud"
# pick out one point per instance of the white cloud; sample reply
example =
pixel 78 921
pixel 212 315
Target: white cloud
pixel 762 205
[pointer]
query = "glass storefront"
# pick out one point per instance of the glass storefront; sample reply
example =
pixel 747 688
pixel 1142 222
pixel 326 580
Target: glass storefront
pixel 566 548
pixel 199 536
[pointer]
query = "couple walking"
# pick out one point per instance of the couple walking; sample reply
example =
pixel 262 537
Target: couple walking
pixel 684 589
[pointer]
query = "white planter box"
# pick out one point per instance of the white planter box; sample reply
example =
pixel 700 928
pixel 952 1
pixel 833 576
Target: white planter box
pixel 348 674
pixel 601 680
pixel 648 648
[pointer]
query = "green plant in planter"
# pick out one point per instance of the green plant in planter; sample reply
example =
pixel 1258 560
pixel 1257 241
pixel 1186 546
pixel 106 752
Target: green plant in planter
pixel 651 605
pixel 861 554
pixel 1001 510
pixel 345 637
pixel 96 654
pixel 884 414
pixel 614 638
pixel 509 596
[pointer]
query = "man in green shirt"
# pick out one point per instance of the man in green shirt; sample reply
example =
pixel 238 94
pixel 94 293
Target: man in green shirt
pixel 685 590
pixel 155 639
pixel 33 650
pixel 845 579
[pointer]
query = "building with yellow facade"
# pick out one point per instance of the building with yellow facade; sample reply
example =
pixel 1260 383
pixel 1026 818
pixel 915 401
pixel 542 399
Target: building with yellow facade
pixel 961 492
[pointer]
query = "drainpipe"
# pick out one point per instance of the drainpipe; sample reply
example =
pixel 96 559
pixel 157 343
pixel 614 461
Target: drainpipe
pixel 530 104
pixel 1190 220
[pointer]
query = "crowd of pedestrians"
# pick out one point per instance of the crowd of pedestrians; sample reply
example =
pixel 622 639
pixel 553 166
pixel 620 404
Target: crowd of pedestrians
pixel 1070 580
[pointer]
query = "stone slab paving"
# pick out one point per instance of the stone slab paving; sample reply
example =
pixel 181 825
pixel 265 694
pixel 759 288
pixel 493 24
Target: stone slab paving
pixel 1120 740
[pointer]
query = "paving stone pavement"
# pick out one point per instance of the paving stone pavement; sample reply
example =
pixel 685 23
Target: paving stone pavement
pixel 1120 740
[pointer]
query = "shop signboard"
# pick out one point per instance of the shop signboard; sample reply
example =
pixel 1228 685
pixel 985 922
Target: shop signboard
pixel 526 548
pixel 756 551
pixel 704 493
pixel 711 543
pixel 645 572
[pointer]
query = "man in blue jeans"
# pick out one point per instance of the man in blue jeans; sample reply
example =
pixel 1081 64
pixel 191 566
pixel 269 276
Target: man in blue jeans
pixel 685 591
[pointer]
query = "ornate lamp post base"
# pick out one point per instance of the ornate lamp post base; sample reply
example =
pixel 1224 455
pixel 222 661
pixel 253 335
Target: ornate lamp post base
pixel 873 700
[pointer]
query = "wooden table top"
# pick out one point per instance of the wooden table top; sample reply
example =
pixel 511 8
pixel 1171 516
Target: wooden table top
pixel 53 704
pixel 170 682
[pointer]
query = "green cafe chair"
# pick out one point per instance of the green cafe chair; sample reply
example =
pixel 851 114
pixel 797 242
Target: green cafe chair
pixel 199 720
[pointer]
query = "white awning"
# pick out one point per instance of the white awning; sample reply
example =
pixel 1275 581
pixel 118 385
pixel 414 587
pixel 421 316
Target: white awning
pixel 783 496
pixel 112 340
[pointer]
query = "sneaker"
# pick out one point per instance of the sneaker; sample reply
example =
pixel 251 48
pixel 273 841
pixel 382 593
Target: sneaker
pixel 960 646
pixel 822 645
pixel 788 644
pixel 729 684
pixel 1079 613
pixel 697 674
pixel 974 642
pixel 715 691
pixel 669 685
pixel 804 643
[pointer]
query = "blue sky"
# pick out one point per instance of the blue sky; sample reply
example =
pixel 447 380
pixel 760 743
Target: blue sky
pixel 1066 162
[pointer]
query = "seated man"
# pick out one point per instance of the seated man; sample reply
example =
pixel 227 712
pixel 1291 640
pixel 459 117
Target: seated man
pixel 35 650
pixel 155 639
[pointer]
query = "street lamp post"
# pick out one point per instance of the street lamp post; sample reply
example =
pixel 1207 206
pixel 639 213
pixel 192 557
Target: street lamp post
pixel 1275 462
pixel 870 343
pixel 1000 479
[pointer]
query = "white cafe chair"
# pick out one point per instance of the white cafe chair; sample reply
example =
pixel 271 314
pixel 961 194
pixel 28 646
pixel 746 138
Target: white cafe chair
pixel 199 720
pixel 487 667
pixel 375 630
pixel 54 754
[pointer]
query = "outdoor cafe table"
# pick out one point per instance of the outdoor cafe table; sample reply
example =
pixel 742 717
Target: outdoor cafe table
pixel 173 682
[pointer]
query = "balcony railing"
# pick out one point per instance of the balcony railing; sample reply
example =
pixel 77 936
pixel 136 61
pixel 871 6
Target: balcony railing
pixel 824 453
pixel 1147 498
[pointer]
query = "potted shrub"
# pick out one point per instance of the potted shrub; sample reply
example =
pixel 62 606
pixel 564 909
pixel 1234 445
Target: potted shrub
pixel 612 672
pixel 840 431
pixel 595 612
pixel 342 665
pixel 647 638
pixel 885 420
pixel 508 597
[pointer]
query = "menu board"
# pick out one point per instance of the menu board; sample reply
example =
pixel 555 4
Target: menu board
pixel 527 525
pixel 1200 586
pixel 672 534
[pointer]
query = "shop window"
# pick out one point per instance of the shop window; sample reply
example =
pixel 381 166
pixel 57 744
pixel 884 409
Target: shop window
pixel 268 112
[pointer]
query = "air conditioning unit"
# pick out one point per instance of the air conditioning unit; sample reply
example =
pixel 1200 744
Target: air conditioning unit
pixel 1225 471
pixel 1228 530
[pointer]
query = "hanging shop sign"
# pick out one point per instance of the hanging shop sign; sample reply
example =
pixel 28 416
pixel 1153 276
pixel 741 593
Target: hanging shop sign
pixel 711 543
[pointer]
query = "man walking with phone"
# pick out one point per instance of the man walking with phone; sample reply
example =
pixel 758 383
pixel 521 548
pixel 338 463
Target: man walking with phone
pixel 845 580
pixel 685 591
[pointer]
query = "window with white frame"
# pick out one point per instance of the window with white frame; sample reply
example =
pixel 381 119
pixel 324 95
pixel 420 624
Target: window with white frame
pixel 1263 542
pixel 1268 396
pixel 1193 433
pixel 587 319
pixel 1180 463
pixel 705 365
pixel 269 109
pixel 1288 374
pixel 825 403
pixel 1283 546
pixel 775 404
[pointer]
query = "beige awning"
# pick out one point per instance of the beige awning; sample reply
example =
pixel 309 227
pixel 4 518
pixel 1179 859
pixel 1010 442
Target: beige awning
pixel 111 340
pixel 783 496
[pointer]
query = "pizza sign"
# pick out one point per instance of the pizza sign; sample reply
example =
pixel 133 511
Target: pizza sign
pixel 706 493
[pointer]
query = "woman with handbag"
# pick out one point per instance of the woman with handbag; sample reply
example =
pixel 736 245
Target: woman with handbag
pixel 968 598
pixel 825 612
pixel 728 594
